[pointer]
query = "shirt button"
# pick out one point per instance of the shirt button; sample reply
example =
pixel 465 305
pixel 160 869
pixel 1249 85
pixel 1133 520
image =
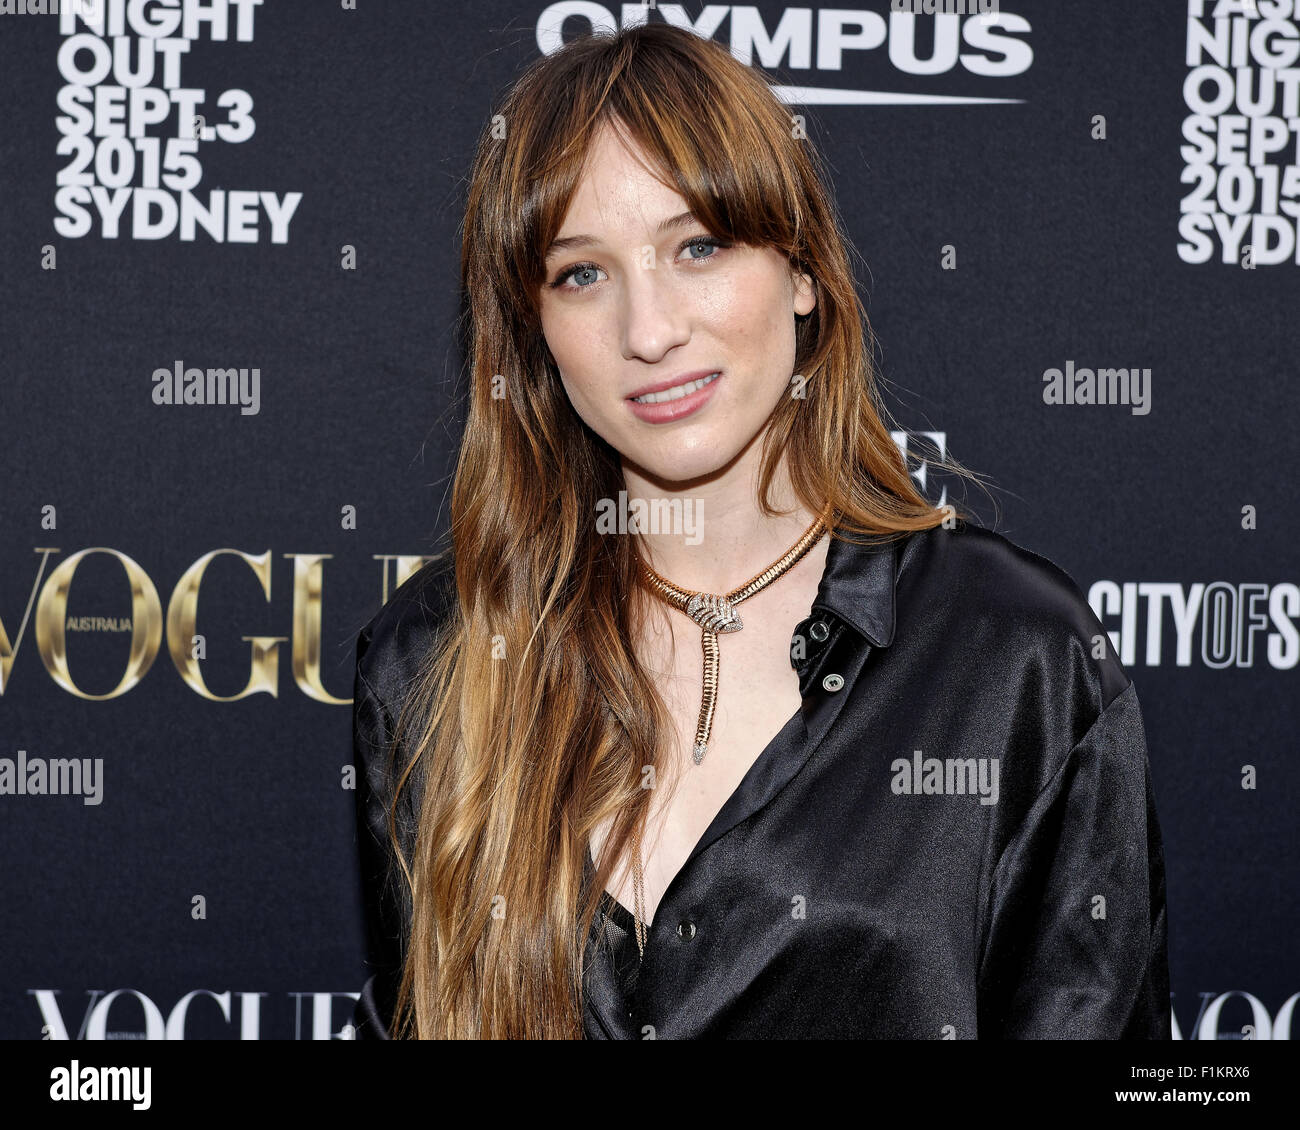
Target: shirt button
pixel 833 682
pixel 819 631
pixel 686 930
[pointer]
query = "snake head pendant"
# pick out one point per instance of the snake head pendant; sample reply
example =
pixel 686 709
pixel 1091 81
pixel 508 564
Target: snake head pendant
pixel 714 613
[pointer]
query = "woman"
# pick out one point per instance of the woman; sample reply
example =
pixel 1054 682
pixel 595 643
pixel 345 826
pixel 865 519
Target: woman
pixel 885 777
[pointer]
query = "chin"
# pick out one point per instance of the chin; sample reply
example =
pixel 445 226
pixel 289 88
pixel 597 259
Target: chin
pixel 704 458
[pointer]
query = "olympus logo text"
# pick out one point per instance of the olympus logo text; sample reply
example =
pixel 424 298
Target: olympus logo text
pixel 982 43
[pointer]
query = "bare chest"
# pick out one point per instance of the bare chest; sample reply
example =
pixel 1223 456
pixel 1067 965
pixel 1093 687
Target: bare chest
pixel 758 693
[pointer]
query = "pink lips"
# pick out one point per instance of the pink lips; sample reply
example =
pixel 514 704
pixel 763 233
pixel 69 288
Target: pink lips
pixel 677 409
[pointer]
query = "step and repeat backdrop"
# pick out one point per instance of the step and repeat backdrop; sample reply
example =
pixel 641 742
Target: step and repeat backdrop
pixel 1077 227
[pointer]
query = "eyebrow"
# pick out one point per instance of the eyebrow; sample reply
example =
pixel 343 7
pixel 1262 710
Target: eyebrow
pixel 570 242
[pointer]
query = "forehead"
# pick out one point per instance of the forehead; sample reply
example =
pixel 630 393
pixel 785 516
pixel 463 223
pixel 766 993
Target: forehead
pixel 618 191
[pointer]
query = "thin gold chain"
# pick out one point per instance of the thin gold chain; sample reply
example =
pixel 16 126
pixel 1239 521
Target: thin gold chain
pixel 638 884
pixel 714 614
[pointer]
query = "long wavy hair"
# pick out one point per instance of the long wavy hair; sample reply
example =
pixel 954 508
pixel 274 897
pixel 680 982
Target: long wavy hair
pixel 533 719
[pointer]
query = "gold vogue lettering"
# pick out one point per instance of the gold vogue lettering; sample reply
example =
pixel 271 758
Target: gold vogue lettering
pixel 147 623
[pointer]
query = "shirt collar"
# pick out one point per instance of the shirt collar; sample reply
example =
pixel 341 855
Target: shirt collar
pixel 858 585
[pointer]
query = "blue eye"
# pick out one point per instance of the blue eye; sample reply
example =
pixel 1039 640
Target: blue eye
pixel 589 270
pixel 703 241
pixel 586 269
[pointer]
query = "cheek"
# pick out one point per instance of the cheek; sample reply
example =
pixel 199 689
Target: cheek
pixel 581 373
pixel 751 308
pixel 566 349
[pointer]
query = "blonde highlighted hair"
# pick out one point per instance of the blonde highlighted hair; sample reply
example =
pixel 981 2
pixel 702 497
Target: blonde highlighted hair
pixel 520 758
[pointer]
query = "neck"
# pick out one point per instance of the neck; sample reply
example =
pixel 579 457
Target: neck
pixel 727 539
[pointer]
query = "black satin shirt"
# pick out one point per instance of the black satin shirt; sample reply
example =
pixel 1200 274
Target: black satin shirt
pixel 953 837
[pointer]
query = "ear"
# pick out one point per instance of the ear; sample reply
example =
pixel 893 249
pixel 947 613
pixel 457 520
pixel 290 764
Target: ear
pixel 805 294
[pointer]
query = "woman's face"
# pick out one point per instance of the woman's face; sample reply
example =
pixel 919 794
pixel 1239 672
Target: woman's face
pixel 645 297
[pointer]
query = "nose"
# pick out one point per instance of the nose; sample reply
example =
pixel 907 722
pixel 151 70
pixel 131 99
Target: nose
pixel 654 315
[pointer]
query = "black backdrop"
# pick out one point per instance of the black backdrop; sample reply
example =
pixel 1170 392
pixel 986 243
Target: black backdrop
pixel 214 886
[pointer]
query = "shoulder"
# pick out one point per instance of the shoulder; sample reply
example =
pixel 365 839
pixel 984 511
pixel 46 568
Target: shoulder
pixel 1010 601
pixel 1005 641
pixel 394 643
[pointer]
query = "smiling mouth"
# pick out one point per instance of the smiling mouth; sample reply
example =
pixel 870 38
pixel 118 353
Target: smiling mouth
pixel 676 392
